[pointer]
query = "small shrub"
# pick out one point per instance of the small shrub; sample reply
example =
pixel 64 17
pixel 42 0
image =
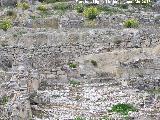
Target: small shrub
pixel 94 63
pixel 5 25
pixel 131 23
pixel 3 100
pixel 80 8
pixel 79 118
pixel 61 6
pixel 72 65
pixel 74 83
pixel 25 6
pixel 91 13
pixel 123 109
pixel 42 8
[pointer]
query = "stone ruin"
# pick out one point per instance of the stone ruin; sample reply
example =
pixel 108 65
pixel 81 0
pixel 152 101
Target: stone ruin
pixel 38 83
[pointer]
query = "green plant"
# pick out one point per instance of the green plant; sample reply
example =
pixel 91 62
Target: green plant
pixel 79 118
pixel 53 1
pixel 131 23
pixel 72 65
pixel 25 6
pixel 61 6
pixel 74 83
pixel 123 109
pixel 80 8
pixel 91 13
pixel 5 25
pixel 42 8
pixel 94 63
pixel 3 100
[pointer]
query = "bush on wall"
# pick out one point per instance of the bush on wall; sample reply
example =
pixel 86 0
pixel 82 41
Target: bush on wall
pixel 80 8
pixel 5 25
pixel 131 23
pixel 91 13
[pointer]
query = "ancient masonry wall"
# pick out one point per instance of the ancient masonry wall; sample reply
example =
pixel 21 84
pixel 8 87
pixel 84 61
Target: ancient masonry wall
pixel 49 56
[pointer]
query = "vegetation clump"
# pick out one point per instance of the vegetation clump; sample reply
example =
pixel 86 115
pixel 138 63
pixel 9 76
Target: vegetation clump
pixel 23 5
pixel 5 25
pixel 42 8
pixel 61 6
pixel 80 8
pixel 74 83
pixel 72 65
pixel 123 109
pixel 94 63
pixel 131 23
pixel 3 100
pixel 91 12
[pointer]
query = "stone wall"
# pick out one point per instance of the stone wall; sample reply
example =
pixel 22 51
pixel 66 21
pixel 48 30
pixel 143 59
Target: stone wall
pixel 35 57
pixel 74 20
pixel 49 53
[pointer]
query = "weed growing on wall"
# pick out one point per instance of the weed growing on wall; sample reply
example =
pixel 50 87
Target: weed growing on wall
pixel 123 109
pixel 5 25
pixel 91 13
pixel 80 8
pixel 131 23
